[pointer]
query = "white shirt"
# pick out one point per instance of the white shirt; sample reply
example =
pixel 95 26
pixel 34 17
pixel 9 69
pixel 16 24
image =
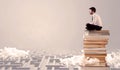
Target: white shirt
pixel 96 20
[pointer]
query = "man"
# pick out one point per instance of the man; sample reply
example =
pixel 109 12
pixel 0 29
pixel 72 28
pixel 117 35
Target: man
pixel 96 23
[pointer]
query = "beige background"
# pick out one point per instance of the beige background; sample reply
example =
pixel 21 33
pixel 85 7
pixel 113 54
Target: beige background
pixel 54 25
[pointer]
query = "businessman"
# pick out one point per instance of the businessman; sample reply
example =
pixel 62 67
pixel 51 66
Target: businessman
pixel 96 23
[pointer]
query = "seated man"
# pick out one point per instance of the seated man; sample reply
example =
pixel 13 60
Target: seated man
pixel 96 23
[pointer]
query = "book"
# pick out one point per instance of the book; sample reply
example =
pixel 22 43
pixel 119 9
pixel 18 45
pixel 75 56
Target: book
pixel 95 49
pixel 95 55
pixel 101 32
pixel 95 40
pixel 97 64
pixel 94 43
pixel 94 52
pixel 96 35
pixel 94 46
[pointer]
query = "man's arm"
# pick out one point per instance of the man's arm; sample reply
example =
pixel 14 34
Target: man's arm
pixel 94 20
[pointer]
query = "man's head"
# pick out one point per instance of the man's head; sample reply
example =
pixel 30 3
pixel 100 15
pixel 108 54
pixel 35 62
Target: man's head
pixel 92 10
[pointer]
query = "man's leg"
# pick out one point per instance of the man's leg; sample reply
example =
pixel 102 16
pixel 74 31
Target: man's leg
pixel 98 27
pixel 90 26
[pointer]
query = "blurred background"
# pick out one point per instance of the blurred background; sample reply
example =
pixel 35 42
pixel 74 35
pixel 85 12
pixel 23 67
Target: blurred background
pixel 54 26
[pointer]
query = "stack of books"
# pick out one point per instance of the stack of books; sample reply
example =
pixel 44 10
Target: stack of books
pixel 95 45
